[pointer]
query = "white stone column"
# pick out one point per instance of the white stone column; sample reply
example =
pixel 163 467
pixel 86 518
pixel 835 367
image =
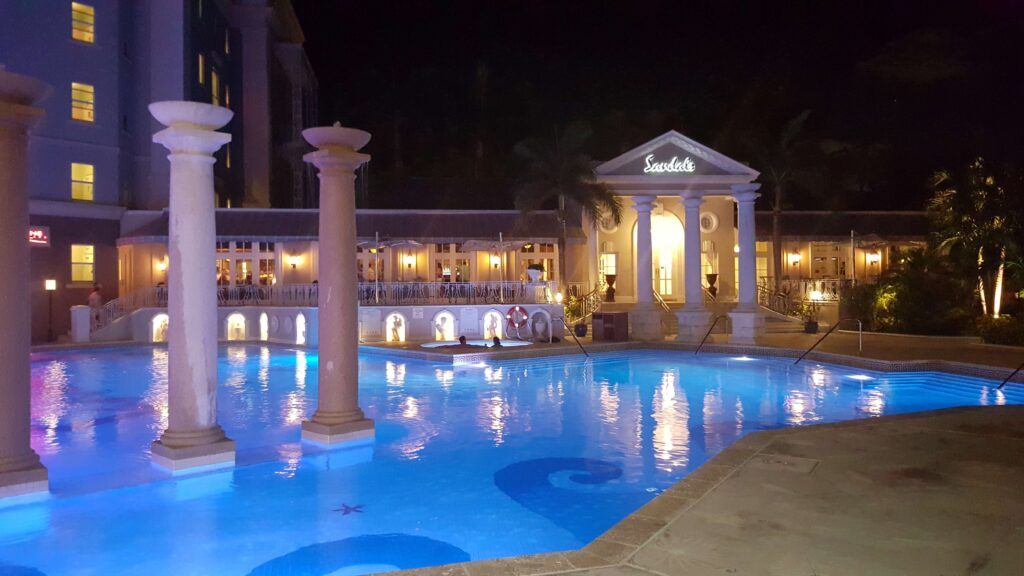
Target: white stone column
pixel 645 317
pixel 693 316
pixel 193 437
pixel 747 320
pixel 338 418
pixel 20 469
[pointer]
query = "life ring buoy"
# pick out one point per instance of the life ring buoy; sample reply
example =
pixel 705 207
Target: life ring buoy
pixel 517 316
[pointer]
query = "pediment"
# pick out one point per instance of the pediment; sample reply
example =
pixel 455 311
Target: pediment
pixel 676 156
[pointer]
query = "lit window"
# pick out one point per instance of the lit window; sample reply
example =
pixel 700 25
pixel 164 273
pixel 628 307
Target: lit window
pixel 83 100
pixel 202 69
pixel 215 87
pixel 607 264
pixel 81 181
pixel 83 22
pixel 83 262
pixel 267 272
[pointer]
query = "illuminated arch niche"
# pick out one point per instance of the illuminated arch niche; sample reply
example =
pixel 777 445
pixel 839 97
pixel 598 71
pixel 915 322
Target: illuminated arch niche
pixel 444 326
pixel 158 327
pixel 300 328
pixel 493 321
pixel 236 326
pixel 394 328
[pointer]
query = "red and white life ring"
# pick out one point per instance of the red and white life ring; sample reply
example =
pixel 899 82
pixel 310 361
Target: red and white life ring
pixel 517 316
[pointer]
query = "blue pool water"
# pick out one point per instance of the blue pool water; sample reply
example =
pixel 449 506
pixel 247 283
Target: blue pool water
pixel 470 462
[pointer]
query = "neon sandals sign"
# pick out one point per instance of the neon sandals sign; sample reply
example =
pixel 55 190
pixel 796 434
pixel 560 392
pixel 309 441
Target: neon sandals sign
pixel 673 165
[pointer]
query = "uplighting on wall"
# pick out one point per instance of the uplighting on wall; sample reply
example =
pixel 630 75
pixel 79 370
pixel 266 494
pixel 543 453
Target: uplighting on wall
pixel 294 260
pixel 873 257
pixel 495 261
pixel 794 258
pixel 736 248
pixel 409 260
pixel 161 265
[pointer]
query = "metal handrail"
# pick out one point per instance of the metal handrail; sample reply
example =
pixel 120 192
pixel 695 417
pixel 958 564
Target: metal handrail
pixel 708 333
pixel 660 300
pixel 831 330
pixel 1012 374
pixel 578 343
pixel 588 305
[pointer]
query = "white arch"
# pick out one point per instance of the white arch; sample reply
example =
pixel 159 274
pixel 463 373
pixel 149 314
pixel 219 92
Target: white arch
pixel 158 327
pixel 300 329
pixel 394 327
pixel 666 254
pixel 493 324
pixel 444 326
pixel 235 326
pixel 264 327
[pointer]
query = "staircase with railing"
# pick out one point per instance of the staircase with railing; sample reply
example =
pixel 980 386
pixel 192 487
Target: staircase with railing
pixel 579 310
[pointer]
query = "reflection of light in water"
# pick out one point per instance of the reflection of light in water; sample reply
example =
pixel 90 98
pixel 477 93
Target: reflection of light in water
pixel 394 374
pixel 671 429
pixel 609 400
pixel 498 413
pixel 493 375
pixel 156 395
pixel 871 401
pixel 714 440
pixel 739 415
pixel 301 365
pixel 818 376
pixel 800 407
pixel 52 402
pixel 290 455
pixel 744 358
pixel 263 376
pixel 237 356
pixel 410 408
pixel 992 396
pixel 444 377
pixel 861 377
pixel 293 410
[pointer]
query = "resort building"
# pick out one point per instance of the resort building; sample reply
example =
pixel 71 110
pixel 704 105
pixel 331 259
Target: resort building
pixel 92 157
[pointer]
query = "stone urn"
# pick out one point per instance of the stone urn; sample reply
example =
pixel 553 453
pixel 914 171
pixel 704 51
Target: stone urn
pixel 534 275
pixel 712 289
pixel 609 293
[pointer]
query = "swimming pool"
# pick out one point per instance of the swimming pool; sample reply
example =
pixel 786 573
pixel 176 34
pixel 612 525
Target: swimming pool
pixel 471 462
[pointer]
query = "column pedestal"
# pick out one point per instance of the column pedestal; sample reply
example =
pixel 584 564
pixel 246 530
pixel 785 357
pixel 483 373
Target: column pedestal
pixel 693 324
pixel 747 319
pixel 20 470
pixel 645 322
pixel 747 326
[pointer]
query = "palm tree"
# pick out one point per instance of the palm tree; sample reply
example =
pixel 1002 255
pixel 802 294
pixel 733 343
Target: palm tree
pixel 778 157
pixel 976 215
pixel 558 171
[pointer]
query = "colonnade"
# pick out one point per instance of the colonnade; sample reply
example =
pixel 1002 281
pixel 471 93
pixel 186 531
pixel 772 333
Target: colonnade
pixel 694 317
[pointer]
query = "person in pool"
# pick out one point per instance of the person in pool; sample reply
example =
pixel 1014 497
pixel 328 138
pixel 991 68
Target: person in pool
pixel 497 342
pixel 462 340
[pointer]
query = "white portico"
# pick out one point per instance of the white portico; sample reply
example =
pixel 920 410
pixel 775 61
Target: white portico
pixel 682 242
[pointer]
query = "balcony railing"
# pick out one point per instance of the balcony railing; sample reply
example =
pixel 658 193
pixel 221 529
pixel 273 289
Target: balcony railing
pixel 369 293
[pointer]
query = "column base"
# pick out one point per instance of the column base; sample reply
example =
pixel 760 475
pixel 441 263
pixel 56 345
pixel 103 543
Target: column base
pixel 33 480
pixel 747 326
pixel 693 324
pixel 645 322
pixel 217 454
pixel 337 434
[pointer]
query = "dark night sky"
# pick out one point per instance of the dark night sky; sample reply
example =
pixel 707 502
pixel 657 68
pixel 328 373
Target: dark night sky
pixel 897 89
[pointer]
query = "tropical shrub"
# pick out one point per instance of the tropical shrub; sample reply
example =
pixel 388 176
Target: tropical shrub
pixel 1003 330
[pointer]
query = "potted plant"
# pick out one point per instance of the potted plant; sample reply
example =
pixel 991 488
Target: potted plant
pixel 574 309
pixel 535 271
pixel 808 312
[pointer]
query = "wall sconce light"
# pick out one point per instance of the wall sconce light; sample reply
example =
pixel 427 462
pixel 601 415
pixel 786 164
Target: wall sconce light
pixel 495 261
pixel 50 284
pixel 294 260
pixel 817 296
pixel 794 258
pixel 162 265
pixel 558 298
pixel 736 248
pixel 873 257
pixel 409 260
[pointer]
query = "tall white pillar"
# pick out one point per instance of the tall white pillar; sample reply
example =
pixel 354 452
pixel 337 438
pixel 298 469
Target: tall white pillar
pixel 747 320
pixel 693 316
pixel 20 469
pixel 338 417
pixel 193 438
pixel 645 317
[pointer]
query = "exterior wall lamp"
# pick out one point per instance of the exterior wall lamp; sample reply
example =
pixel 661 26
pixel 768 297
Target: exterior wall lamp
pixel 495 261
pixel 873 257
pixel 162 265
pixel 794 258
pixel 409 260
pixel 294 260
pixel 50 285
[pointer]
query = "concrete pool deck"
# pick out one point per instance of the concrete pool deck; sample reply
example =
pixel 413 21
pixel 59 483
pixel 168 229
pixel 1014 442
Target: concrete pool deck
pixel 929 493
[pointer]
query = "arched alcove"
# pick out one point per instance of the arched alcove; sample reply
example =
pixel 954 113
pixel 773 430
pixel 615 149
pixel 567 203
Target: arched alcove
pixel 158 327
pixel 444 326
pixel 394 327
pixel 300 329
pixel 264 327
pixel 236 326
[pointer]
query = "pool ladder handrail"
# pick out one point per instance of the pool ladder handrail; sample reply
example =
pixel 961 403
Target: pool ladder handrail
pixel 860 344
pixel 708 333
pixel 578 343
pixel 1012 374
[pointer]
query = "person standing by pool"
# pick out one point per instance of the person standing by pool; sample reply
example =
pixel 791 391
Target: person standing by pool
pixel 95 305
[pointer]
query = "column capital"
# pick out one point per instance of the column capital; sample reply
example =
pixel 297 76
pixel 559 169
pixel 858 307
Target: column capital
pixel 191 127
pixel 692 200
pixel 742 193
pixel 18 96
pixel 336 148
pixel 643 203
